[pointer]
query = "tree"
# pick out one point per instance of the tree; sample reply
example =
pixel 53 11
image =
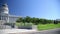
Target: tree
pixel 35 20
pixel 43 21
pixel 27 19
pixel 23 20
pixel 55 22
pixel 49 21
pixel 20 20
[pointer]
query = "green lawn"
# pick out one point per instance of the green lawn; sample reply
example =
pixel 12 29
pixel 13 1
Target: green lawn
pixel 47 26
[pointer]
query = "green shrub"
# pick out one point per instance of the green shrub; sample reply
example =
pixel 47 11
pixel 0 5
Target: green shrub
pixel 23 24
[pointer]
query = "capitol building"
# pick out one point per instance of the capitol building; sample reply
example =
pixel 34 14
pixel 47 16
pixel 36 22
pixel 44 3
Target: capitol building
pixel 4 14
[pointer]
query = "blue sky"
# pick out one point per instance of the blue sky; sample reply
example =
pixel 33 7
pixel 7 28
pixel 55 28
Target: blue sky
pixel 48 9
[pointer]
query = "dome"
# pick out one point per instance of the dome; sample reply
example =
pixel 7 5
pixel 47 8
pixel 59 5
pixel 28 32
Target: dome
pixel 4 9
pixel 5 5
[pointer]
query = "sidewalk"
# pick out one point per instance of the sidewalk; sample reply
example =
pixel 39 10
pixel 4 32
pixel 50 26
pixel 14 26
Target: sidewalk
pixel 16 31
pixel 26 31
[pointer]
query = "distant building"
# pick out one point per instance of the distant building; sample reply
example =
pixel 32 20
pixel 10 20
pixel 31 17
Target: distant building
pixel 57 19
pixel 4 14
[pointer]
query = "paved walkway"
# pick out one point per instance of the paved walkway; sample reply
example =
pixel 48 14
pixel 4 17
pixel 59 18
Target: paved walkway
pixel 15 31
pixel 25 31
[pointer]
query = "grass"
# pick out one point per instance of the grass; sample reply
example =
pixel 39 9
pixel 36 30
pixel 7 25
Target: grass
pixel 47 26
pixel 41 26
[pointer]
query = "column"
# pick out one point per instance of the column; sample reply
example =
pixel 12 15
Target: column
pixel 8 19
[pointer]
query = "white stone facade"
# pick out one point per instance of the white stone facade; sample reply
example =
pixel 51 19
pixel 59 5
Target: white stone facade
pixel 4 14
pixel 5 17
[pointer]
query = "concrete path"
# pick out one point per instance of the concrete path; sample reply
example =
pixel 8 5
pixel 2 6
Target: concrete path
pixel 8 31
pixel 24 31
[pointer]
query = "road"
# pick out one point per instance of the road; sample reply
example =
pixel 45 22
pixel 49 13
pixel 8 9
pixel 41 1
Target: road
pixel 53 31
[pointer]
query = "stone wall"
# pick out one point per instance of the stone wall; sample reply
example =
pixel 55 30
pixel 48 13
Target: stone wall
pixel 2 22
pixel 2 26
